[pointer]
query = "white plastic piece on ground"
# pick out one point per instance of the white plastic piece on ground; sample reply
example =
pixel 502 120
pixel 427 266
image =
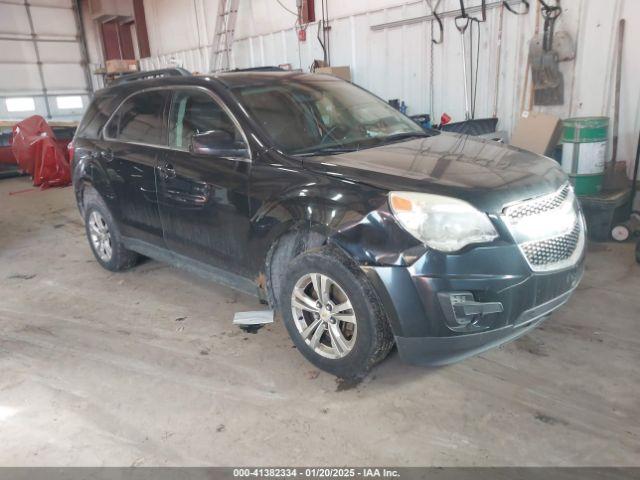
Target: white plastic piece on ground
pixel 260 317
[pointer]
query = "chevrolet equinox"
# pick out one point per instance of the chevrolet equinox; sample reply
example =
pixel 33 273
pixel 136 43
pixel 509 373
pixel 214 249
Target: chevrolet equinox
pixel 361 228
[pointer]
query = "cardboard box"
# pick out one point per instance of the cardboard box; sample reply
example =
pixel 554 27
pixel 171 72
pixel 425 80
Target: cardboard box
pixel 340 72
pixel 537 132
pixel 121 66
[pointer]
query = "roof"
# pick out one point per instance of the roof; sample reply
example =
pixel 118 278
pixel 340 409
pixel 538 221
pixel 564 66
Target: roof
pixel 257 78
pixel 228 80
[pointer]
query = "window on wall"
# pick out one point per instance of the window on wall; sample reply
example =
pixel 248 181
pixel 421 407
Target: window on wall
pixel 20 104
pixel 71 102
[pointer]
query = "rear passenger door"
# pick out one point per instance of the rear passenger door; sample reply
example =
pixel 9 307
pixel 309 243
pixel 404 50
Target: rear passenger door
pixel 203 192
pixel 134 140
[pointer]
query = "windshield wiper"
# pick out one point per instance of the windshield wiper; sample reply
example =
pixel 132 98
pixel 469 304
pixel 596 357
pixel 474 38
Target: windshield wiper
pixel 403 136
pixel 372 142
pixel 328 151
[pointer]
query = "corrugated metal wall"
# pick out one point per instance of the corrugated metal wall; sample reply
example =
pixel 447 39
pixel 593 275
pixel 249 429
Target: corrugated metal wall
pixel 396 62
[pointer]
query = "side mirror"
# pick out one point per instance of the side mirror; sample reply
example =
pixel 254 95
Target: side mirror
pixel 219 143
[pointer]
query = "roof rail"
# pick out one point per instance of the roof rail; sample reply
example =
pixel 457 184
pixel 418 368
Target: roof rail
pixel 258 69
pixel 163 72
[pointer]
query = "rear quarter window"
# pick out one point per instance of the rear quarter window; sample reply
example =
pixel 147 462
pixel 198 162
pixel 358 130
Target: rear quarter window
pixel 97 115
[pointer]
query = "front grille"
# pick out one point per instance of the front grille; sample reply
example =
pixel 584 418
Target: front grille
pixel 553 250
pixel 549 230
pixel 538 205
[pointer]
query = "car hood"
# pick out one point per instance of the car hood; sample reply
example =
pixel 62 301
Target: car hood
pixel 485 173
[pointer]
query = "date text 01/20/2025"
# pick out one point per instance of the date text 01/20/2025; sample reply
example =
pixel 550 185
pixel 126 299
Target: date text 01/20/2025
pixel 316 472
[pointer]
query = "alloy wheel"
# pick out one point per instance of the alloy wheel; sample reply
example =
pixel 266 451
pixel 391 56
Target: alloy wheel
pixel 323 315
pixel 100 236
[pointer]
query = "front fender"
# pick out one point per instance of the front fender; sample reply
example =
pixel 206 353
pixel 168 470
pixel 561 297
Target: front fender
pixel 351 216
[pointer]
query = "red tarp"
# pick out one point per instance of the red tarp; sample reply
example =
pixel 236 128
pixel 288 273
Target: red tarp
pixel 37 153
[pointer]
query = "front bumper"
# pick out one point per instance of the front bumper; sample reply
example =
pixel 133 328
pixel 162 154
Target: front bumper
pixel 436 351
pixel 423 334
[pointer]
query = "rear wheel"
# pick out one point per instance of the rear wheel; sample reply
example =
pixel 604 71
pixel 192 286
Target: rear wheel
pixel 104 236
pixel 100 236
pixel 333 314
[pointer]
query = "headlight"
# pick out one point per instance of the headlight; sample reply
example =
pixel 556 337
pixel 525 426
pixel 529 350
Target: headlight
pixel 442 223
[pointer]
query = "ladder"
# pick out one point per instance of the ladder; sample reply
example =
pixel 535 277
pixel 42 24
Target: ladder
pixel 223 36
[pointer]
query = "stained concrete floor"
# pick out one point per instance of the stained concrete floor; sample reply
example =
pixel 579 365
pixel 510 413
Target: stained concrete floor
pixel 145 368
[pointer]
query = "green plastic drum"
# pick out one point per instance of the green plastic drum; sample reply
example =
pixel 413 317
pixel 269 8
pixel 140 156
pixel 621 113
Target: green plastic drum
pixel 584 148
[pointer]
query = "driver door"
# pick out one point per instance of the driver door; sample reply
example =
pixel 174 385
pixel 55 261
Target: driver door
pixel 203 182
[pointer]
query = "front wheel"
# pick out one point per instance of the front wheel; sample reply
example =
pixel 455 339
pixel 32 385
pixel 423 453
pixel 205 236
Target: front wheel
pixel 333 315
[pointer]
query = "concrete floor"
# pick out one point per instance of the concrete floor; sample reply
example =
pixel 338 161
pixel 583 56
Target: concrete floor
pixel 145 368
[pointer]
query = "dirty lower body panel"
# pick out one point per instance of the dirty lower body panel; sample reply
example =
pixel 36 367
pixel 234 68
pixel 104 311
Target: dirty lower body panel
pixel 443 319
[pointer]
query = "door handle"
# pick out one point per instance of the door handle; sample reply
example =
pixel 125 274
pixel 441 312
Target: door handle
pixel 167 171
pixel 107 155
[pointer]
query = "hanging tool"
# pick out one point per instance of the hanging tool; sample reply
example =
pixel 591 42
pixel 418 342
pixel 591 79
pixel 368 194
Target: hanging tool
pixel 435 20
pixel 547 80
pixel 634 184
pixel 438 20
pixel 223 35
pixel 616 102
pixel 621 232
pixel 524 10
pixel 463 23
pixel 323 25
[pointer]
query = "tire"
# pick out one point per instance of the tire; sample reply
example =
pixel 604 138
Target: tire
pixel 638 251
pixel 109 249
pixel 365 339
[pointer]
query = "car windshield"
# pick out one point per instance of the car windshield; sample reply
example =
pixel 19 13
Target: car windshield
pixel 322 115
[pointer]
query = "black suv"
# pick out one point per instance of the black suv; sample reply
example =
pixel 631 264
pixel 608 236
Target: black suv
pixel 362 229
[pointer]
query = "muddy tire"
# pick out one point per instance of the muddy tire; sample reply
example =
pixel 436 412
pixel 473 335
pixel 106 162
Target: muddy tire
pixel 104 236
pixel 333 314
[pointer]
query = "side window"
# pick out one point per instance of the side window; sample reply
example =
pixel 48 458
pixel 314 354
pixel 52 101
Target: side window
pixel 193 113
pixel 139 119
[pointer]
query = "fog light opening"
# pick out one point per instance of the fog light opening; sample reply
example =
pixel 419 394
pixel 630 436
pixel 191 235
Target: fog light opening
pixel 463 313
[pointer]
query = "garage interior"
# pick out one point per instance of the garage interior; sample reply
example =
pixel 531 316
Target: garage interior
pixel 146 368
